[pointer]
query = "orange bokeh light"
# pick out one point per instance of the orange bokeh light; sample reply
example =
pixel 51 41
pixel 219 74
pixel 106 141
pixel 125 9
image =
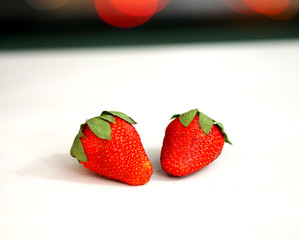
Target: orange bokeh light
pixel 288 13
pixel 239 6
pixel 268 7
pixel 275 9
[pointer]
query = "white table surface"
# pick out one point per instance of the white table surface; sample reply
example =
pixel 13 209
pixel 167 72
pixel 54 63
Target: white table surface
pixel 250 192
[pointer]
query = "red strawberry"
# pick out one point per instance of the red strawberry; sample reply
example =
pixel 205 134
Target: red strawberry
pixel 109 145
pixel 192 141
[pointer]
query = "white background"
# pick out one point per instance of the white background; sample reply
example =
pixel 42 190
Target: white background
pixel 250 192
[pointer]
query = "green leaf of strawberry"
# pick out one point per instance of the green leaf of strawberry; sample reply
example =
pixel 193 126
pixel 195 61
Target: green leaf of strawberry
pixel 108 117
pixel 205 123
pixel 187 117
pixel 121 115
pixel 101 128
pixel 220 125
pixel 82 126
pixel 77 149
pixel 175 116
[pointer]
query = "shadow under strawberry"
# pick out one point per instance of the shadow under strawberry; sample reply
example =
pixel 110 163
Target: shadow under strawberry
pixel 61 167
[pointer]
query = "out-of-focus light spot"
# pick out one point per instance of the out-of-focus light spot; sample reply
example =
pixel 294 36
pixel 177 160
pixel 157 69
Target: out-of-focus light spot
pixel 283 16
pixel 139 8
pixel 47 4
pixel 276 9
pixel 268 7
pixel 111 15
pixel 239 7
pixel 288 13
pixel 162 4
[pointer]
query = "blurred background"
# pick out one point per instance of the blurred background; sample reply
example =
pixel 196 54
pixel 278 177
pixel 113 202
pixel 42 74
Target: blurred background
pixel 89 23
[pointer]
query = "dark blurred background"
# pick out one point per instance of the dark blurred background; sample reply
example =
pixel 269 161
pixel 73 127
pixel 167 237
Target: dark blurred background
pixel 33 24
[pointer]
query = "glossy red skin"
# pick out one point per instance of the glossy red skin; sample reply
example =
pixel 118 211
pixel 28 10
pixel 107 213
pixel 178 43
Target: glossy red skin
pixel 122 158
pixel 188 149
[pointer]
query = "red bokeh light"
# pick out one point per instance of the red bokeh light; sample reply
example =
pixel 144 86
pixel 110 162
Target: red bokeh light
pixel 162 4
pixel 128 13
pixel 139 8
pixel 111 15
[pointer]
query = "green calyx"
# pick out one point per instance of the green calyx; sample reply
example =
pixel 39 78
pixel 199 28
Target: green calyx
pixel 77 150
pixel 206 123
pixel 101 127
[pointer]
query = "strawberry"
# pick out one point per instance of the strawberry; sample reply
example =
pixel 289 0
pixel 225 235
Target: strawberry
pixel 192 141
pixel 109 145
